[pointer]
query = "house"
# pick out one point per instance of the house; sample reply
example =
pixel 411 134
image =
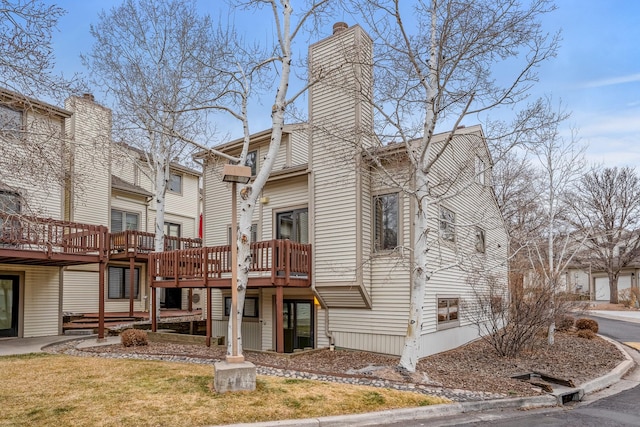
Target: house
pixel 331 259
pixel 96 185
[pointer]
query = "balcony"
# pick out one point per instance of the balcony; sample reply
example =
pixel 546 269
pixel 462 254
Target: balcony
pixel 273 263
pixel 45 241
pixel 139 244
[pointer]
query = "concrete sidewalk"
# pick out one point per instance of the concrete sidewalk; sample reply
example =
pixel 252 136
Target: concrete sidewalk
pixel 627 316
pixel 15 346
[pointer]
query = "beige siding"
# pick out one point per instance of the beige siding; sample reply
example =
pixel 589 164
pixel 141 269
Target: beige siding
pixel 90 130
pixel 336 113
pixel 299 147
pixel 39 299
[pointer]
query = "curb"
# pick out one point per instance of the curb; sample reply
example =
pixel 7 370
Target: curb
pixel 452 409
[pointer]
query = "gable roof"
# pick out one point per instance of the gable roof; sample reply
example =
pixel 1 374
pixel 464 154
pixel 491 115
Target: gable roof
pixel 124 186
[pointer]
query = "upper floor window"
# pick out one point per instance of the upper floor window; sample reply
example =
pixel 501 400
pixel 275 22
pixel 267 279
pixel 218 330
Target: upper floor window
pixel 10 121
pixel 480 171
pixel 172 229
pixel 252 161
pixel 447 224
pixel 480 240
pixel 254 233
pixel 121 221
pixel 10 202
pixel 293 225
pixel 385 221
pixel 175 183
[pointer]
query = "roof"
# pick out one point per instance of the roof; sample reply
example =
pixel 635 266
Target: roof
pixel 236 144
pixel 173 165
pixel 8 97
pixel 122 185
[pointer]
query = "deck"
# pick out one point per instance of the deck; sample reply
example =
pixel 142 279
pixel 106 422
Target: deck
pixel 139 244
pixel 273 263
pixel 50 242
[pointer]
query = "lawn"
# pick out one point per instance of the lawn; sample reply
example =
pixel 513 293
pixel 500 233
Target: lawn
pixel 44 389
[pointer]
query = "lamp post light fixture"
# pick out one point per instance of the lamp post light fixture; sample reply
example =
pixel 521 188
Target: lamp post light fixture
pixel 235 174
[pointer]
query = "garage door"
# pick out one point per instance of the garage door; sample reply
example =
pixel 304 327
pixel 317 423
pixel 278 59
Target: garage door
pixel 602 287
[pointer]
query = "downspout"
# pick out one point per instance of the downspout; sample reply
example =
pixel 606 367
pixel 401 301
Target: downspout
pixel 327 332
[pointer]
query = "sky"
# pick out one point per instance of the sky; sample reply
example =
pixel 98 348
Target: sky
pixel 596 74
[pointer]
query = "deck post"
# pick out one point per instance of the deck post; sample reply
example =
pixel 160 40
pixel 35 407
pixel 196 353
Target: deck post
pixel 209 316
pixel 279 320
pixel 154 320
pixel 131 283
pixel 101 272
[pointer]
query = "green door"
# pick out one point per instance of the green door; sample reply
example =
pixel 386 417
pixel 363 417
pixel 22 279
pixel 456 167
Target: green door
pixel 298 325
pixel 9 305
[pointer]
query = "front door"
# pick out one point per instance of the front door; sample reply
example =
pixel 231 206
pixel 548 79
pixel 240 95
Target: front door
pixel 9 305
pixel 298 325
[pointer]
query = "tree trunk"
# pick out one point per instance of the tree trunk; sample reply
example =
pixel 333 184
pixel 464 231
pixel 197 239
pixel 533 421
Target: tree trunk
pixel 411 349
pixel 162 177
pixel 613 288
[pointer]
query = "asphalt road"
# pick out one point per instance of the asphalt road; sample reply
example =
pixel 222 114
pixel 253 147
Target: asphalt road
pixel 617 406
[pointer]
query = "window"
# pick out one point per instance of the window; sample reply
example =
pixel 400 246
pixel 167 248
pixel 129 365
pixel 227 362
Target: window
pixel 250 306
pixel 121 221
pixel 447 224
pixel 119 282
pixel 480 171
pixel 448 311
pixel 252 161
pixel 293 225
pixel 254 233
pixel 9 202
pixel 10 122
pixel 385 222
pixel 172 229
pixel 10 229
pixel 175 183
pixel 480 242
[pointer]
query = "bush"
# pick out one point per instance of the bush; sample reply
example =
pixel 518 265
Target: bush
pixel 629 297
pixel 565 322
pixel 588 324
pixel 586 333
pixel 134 337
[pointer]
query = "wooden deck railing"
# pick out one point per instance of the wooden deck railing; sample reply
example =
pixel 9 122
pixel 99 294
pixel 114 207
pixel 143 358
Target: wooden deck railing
pixel 22 232
pixel 272 262
pixel 140 242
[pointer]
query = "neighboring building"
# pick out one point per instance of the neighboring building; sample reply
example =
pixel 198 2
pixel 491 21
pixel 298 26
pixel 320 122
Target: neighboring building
pixel 331 262
pixel 99 187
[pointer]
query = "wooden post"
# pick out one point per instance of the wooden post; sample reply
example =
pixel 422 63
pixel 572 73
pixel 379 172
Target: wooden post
pixel 279 320
pixel 154 320
pixel 101 290
pixel 132 276
pixel 233 315
pixel 209 317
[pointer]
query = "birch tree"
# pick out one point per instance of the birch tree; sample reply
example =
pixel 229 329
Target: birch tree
pixel 607 209
pixel 437 63
pixel 288 25
pixel 154 58
pixel 561 162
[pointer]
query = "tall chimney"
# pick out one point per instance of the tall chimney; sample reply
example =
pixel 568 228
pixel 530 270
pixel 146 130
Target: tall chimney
pixel 339 27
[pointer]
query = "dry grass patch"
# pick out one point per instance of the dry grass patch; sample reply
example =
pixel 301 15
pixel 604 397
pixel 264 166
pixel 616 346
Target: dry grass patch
pixel 44 389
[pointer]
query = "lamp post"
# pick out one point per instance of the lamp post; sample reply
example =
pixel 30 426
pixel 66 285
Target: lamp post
pixel 235 174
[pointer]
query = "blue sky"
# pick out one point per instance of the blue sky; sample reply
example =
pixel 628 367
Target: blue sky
pixel 596 73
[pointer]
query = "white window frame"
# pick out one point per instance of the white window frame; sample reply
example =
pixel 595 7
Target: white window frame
pixel 252 161
pixel 124 214
pixel 171 183
pixel 124 285
pixel 480 170
pixel 379 241
pixel 445 316
pixel 481 240
pixel 447 224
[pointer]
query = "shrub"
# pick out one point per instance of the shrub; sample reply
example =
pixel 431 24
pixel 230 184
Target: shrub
pixel 629 297
pixel 133 337
pixel 565 322
pixel 586 333
pixel 589 324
